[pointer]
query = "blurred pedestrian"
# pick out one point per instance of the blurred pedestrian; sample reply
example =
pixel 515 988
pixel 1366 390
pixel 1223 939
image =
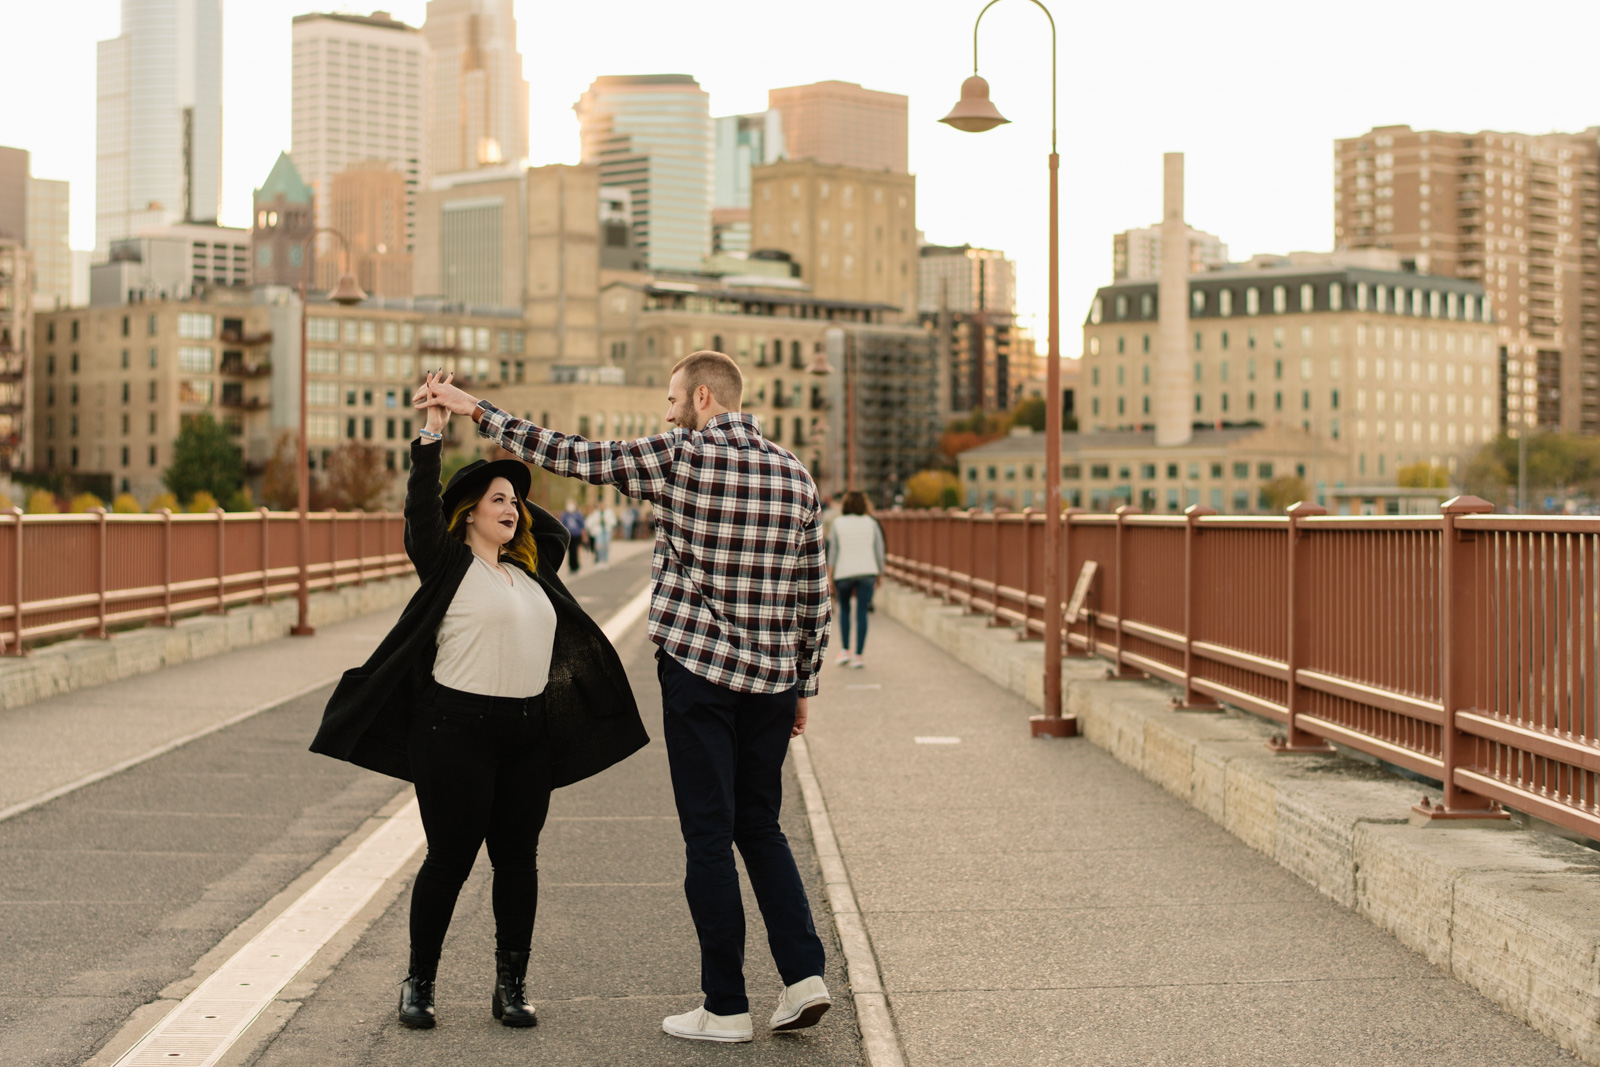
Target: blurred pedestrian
pixel 572 519
pixel 599 525
pixel 856 554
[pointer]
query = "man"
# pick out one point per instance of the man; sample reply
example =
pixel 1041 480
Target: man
pixel 739 610
pixel 573 520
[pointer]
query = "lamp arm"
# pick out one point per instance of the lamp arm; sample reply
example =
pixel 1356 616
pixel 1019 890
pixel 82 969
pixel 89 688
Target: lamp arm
pixel 1041 7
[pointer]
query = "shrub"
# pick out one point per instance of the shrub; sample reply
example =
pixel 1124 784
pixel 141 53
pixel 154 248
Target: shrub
pixel 126 504
pixel 932 488
pixel 42 502
pixel 165 500
pixel 202 502
pixel 83 502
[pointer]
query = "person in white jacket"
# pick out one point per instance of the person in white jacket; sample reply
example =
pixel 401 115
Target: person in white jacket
pixel 856 555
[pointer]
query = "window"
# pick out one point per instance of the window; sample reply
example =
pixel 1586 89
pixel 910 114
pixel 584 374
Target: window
pixel 1380 297
pixel 1280 299
pixel 155 358
pixel 1197 341
pixel 1147 471
pixel 1197 300
pixel 194 391
pixel 1334 400
pixel 1224 340
pixel 1146 345
pixel 352 331
pixel 322 361
pixel 1147 306
pixel 1100 471
pixel 1225 302
pixel 1252 301
pixel 195 360
pixel 1361 298
pixel 1305 337
pixel 126 396
pixel 1071 471
pixel 1241 470
pixel 1122 306
pixel 1305 400
pixel 391 335
pixel 1277 401
pixel 1335 296
pixel 1308 297
pixel 1121 345
pixel 369 332
pixel 320 329
pixel 1094 346
pixel 196 326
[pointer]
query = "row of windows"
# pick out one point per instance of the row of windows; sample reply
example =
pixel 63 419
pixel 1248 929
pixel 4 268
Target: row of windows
pixel 1226 403
pixel 1379 336
pixel 1105 500
pixel 1147 471
pixel 72 425
pixel 403 334
pixel 1419 303
pixel 191 326
pixel 1380 369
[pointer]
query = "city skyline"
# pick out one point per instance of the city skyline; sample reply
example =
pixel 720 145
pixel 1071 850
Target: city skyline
pixel 1260 162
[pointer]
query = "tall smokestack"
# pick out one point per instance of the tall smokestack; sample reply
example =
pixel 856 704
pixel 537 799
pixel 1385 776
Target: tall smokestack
pixel 1174 411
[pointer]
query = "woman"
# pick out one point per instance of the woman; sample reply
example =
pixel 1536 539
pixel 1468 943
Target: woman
pixel 855 559
pixel 493 689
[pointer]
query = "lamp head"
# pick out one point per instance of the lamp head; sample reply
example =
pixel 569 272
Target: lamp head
pixel 819 364
pixel 347 292
pixel 974 113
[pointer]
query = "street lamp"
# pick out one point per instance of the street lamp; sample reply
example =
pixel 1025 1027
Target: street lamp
pixel 345 293
pixel 974 113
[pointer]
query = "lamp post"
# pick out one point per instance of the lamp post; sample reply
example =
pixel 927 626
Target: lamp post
pixel 974 113
pixel 346 293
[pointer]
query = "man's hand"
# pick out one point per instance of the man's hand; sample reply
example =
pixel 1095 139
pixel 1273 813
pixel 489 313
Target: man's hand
pixel 438 415
pixel 801 711
pixel 442 393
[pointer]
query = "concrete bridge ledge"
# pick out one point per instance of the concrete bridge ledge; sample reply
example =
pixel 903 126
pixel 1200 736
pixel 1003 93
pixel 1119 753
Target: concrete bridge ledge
pixel 1513 914
pixel 86 662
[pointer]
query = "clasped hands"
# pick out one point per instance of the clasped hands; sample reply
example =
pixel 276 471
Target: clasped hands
pixel 441 399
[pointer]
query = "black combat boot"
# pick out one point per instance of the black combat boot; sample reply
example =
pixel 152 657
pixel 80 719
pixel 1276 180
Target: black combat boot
pixel 511 1005
pixel 416 993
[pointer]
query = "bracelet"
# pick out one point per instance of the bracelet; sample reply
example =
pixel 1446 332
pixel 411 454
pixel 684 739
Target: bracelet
pixel 430 435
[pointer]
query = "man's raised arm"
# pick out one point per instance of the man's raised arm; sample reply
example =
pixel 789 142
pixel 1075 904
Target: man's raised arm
pixel 638 468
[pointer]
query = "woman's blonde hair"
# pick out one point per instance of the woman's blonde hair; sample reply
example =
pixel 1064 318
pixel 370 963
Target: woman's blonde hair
pixel 520 549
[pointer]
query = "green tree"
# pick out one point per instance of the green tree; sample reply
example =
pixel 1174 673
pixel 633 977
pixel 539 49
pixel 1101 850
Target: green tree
pixel 280 489
pixel 1030 412
pixel 204 459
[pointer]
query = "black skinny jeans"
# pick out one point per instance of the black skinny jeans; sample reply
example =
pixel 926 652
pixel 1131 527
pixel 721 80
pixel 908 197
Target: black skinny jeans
pixel 482 771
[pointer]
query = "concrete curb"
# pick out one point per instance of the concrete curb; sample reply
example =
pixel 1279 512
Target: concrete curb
pixel 879 1039
pixel 1513 914
pixel 86 662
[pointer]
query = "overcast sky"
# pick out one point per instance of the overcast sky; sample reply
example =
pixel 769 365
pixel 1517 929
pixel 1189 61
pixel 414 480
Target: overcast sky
pixel 1254 91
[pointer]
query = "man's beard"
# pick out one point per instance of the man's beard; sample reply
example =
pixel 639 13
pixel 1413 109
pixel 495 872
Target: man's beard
pixel 688 418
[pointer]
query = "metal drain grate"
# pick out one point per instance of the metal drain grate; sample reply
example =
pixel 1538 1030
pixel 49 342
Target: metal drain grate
pixel 208 1021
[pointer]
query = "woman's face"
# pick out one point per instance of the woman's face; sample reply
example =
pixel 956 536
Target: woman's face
pixel 495 517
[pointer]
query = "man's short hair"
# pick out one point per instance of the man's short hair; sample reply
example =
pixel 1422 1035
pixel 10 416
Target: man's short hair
pixel 716 371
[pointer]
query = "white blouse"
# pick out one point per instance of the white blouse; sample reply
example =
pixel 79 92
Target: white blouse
pixel 496 637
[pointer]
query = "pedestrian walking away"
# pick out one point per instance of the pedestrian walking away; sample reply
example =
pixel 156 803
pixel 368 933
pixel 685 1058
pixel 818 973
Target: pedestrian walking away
pixel 492 689
pixel 572 519
pixel 738 659
pixel 856 554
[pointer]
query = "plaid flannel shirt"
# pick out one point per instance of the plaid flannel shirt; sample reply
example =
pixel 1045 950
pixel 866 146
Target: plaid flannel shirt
pixel 740 594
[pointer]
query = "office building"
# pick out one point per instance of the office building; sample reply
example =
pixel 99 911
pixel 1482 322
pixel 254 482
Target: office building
pixel 16 356
pixel 369 209
pixel 742 142
pixel 1513 212
pixel 359 90
pixel 523 239
pixel 617 251
pixel 49 235
pixel 281 228
pixel 172 263
pixel 853 232
pixel 652 135
pixel 158 140
pixel 37 212
pixel 1136 254
pixel 477 100
pixel 967 297
pixel 834 122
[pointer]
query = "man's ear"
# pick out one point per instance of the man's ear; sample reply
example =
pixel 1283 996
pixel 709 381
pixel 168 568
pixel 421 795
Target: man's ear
pixel 702 397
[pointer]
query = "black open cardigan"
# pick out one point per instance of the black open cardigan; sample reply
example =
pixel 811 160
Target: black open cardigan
pixel 592 719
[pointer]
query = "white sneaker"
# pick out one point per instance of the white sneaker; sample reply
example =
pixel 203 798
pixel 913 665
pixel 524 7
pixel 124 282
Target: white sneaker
pixel 844 659
pixel 858 661
pixel 801 1005
pixel 701 1025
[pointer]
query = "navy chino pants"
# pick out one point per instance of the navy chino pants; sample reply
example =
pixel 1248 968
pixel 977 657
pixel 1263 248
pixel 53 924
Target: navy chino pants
pixel 726 752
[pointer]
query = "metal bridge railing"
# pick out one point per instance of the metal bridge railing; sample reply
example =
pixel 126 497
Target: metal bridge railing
pixel 1464 647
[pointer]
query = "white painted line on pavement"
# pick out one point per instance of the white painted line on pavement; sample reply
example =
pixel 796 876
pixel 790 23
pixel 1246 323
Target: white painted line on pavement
pixel 937 740
pixel 207 1022
pixel 211 1019
pixel 879 1038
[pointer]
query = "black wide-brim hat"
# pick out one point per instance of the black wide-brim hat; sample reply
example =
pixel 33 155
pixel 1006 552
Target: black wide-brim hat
pixel 479 473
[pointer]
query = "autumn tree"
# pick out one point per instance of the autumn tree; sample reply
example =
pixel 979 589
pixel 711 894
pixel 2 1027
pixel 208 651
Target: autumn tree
pixel 1422 476
pixel 933 489
pixel 280 486
pixel 1285 490
pixel 355 478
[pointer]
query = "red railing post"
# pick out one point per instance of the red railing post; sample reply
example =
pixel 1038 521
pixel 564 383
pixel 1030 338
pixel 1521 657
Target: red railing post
pixel 1026 633
pixel 166 566
pixel 218 515
pixel 994 569
pixel 102 566
pixel 1191 701
pixel 266 538
pixel 1119 670
pixel 1460 653
pixel 361 548
pixel 16 648
pixel 972 516
pixel 1298 617
pixel 333 549
pixel 1069 579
